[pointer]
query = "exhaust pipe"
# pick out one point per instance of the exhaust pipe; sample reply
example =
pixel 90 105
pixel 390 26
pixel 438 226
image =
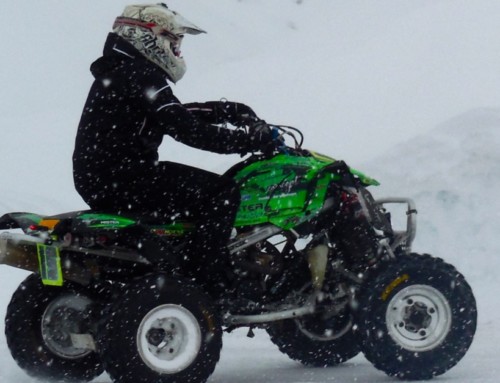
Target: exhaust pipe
pixel 19 251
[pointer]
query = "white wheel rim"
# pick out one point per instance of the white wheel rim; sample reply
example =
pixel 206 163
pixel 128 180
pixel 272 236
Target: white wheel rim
pixel 169 339
pixel 418 318
pixel 61 318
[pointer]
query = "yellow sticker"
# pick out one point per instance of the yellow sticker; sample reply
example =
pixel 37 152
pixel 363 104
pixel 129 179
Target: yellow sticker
pixel 210 320
pixel 49 261
pixel 395 283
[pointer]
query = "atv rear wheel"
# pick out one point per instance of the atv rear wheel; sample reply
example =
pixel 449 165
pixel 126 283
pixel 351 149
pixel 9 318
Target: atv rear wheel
pixel 417 317
pixel 39 324
pixel 161 330
pixel 315 340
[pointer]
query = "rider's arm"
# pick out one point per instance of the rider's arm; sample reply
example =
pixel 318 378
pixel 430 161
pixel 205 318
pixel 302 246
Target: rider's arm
pixel 218 112
pixel 178 121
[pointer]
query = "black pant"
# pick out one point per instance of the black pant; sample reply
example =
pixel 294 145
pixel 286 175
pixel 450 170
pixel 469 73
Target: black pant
pixel 169 191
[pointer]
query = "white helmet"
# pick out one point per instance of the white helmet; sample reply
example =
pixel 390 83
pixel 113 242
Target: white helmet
pixel 157 33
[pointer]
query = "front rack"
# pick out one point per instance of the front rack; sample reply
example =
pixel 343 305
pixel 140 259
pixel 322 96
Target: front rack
pixel 403 239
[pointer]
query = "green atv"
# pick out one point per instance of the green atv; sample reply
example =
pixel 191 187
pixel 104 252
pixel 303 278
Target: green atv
pixel 315 261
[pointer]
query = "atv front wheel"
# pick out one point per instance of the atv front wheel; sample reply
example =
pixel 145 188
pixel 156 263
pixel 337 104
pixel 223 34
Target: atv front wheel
pixel 161 330
pixel 39 325
pixel 417 317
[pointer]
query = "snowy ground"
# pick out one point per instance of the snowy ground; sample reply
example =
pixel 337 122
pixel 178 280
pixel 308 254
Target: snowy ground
pixel 407 91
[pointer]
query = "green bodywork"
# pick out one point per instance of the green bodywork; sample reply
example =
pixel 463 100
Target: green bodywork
pixel 286 190
pixel 106 221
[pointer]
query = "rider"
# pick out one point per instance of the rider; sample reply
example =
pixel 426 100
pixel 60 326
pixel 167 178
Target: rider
pixel 131 107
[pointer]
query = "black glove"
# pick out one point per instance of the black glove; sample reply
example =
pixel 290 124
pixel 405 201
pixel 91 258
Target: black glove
pixel 261 136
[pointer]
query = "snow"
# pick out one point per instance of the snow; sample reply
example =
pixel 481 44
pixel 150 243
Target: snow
pixel 406 91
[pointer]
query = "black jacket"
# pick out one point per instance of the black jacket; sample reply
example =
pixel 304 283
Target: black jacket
pixel 131 107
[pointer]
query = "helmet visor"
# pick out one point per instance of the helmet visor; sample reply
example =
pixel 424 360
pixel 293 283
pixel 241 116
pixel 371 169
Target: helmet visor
pixel 153 27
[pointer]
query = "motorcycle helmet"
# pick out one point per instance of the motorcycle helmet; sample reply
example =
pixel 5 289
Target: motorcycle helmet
pixel 156 32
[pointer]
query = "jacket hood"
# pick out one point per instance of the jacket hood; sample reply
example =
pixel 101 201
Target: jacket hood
pixel 117 52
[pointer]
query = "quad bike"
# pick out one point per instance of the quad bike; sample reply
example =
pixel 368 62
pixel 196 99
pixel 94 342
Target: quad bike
pixel 315 261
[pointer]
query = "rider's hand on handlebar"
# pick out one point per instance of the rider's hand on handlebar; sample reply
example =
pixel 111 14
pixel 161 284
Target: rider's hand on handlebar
pixel 258 129
pixel 265 138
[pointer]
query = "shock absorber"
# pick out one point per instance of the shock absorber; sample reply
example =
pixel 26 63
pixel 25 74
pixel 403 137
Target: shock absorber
pixel 317 257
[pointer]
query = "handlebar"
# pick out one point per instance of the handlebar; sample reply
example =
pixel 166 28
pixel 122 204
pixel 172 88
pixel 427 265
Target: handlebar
pixel 283 130
pixel 280 133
